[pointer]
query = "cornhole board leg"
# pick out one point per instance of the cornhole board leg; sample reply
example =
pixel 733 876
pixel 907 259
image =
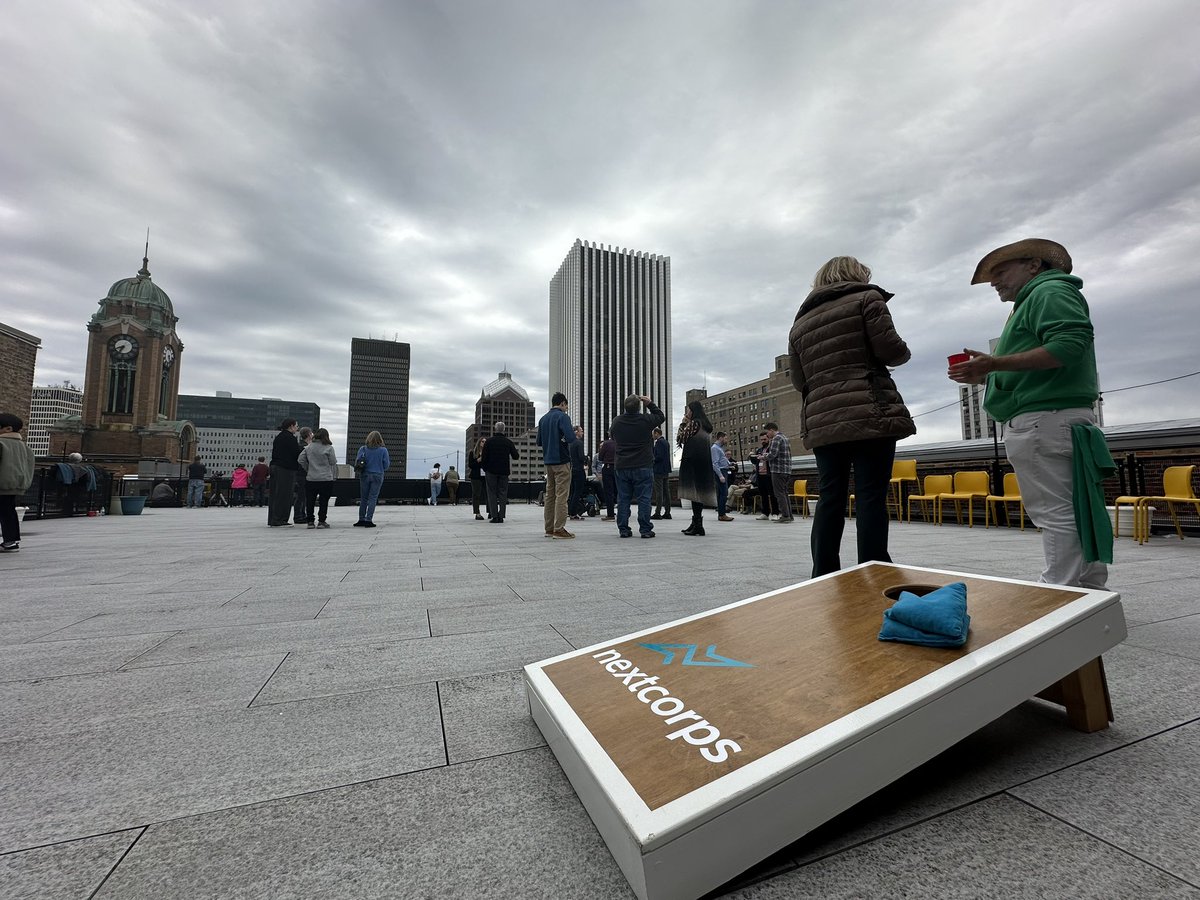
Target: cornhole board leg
pixel 691 845
pixel 1085 695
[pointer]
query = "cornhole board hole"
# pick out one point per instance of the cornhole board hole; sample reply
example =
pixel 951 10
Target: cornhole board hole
pixel 702 746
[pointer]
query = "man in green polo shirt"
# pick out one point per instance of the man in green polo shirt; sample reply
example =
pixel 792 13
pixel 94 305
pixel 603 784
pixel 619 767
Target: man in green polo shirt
pixel 1041 380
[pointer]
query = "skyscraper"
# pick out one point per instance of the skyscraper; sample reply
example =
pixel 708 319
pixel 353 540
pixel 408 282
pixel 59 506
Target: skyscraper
pixel 379 398
pixel 503 400
pixel 610 333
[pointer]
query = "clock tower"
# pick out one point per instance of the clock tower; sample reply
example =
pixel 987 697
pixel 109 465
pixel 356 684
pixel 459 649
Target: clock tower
pixel 131 384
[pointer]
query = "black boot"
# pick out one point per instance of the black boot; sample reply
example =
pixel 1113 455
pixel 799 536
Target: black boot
pixel 691 529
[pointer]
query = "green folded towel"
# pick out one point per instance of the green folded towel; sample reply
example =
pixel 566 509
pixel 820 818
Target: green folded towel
pixel 1091 465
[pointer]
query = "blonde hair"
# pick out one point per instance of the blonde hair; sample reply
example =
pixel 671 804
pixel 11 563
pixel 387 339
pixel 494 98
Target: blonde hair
pixel 374 439
pixel 841 268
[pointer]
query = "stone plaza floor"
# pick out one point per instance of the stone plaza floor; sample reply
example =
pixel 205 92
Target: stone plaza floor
pixel 194 706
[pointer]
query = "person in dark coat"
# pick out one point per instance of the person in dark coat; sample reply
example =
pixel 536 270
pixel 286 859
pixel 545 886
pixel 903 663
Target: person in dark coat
pixel 839 350
pixel 696 480
pixel 478 484
pixel 498 451
pixel 578 477
pixel 662 476
pixel 285 462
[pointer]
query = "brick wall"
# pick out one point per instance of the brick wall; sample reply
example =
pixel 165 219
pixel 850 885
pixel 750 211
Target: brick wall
pixel 18 354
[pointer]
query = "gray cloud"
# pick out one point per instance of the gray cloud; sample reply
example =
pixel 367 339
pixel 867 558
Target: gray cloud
pixel 313 173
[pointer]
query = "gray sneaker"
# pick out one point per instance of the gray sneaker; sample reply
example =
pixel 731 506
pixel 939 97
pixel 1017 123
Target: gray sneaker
pixel 10 547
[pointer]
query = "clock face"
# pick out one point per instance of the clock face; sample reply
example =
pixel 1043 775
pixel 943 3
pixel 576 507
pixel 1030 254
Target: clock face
pixel 168 356
pixel 123 347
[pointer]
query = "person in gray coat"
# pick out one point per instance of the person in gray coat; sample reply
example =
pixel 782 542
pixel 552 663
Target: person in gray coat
pixel 839 349
pixel 16 475
pixel 318 461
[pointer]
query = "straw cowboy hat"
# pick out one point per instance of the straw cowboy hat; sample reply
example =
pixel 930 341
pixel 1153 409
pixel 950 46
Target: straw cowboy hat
pixel 1053 254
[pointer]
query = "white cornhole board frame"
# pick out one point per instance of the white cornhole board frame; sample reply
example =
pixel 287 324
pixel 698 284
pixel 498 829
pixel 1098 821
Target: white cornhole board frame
pixel 692 843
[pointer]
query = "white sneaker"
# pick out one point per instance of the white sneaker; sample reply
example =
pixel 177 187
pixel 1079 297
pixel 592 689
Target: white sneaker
pixel 763 519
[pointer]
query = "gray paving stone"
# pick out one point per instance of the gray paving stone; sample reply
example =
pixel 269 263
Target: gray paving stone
pixel 527 837
pixel 1027 742
pixel 283 637
pixel 1144 799
pixel 19 631
pixel 998 848
pixel 131 772
pixel 496 616
pixel 69 871
pixel 487 715
pixel 393 603
pixel 58 705
pixel 585 633
pixel 46 659
pixel 1178 636
pixel 408 662
pixel 233 613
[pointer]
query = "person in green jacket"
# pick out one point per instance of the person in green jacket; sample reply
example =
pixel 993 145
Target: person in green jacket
pixel 1041 380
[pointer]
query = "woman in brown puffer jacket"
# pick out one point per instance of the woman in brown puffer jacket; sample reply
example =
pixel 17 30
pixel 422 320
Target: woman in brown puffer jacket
pixel 839 348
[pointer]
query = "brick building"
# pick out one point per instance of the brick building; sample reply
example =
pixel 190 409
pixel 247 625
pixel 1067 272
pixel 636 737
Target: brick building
pixel 742 412
pixel 18 355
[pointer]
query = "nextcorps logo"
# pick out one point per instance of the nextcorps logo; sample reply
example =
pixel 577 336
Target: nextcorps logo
pixel 699 732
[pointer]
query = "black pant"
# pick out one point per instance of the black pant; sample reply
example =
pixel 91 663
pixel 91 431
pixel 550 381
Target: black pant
pixel 281 485
pixel 662 494
pixel 608 481
pixel 765 488
pixel 318 491
pixel 10 524
pixel 578 488
pixel 872 464
pixel 303 508
pixel 260 494
pixel 478 492
pixel 497 496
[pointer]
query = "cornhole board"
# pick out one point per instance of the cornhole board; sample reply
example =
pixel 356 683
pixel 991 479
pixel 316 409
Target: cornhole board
pixel 704 745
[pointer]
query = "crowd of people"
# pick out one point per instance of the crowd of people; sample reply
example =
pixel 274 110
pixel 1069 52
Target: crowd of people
pixel 842 347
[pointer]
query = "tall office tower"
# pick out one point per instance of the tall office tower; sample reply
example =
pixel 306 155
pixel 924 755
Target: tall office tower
pixel 49 405
pixel 610 333
pixel 379 398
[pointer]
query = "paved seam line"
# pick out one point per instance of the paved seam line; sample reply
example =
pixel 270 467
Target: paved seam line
pixel 108 875
pixel 442 718
pixel 1122 850
pixel 268 681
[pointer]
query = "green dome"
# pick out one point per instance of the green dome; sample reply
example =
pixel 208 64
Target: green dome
pixel 143 291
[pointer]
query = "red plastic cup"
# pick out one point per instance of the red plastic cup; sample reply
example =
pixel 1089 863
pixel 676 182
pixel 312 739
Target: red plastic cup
pixel 958 358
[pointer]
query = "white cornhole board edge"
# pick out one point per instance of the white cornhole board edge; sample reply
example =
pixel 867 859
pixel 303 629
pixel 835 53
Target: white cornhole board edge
pixel 691 845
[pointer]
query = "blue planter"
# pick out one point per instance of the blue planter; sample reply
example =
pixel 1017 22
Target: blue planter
pixel 132 506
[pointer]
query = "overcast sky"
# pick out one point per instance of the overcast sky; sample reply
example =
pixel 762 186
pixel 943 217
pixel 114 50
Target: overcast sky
pixel 317 171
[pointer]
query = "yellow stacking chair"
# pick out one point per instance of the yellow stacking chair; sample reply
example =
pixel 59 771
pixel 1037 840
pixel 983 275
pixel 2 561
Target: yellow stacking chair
pixel 902 470
pixel 967 486
pixel 935 486
pixel 800 495
pixel 1012 494
pixel 1177 488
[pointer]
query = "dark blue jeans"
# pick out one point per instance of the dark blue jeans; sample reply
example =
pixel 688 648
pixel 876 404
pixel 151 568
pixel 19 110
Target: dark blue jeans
pixel 872 464
pixel 722 492
pixel 634 484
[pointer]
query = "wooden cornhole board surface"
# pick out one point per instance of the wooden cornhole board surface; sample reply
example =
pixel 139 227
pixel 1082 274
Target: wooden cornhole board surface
pixel 815 713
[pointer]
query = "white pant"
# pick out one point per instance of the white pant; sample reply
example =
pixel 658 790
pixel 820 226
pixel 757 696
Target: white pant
pixel 1038 445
